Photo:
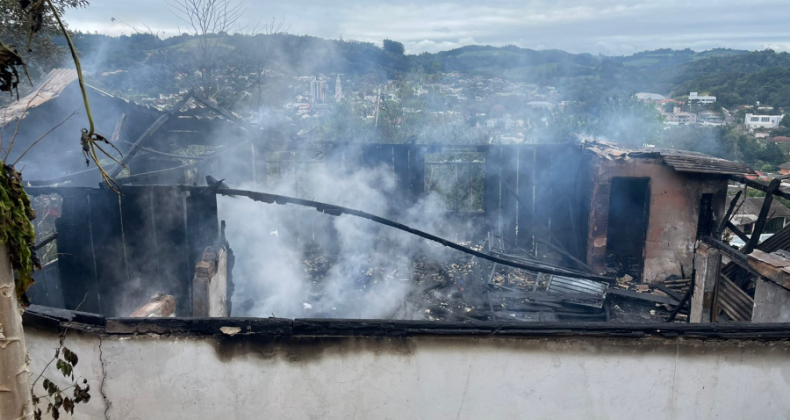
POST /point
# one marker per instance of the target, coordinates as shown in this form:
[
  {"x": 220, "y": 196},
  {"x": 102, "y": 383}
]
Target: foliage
[
  {"x": 56, "y": 397},
  {"x": 16, "y": 229},
  {"x": 394, "y": 47},
  {"x": 16, "y": 213},
  {"x": 742, "y": 79},
  {"x": 727, "y": 142},
  {"x": 41, "y": 53}
]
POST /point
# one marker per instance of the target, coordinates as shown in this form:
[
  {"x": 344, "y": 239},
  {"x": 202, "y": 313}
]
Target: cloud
[{"x": 593, "y": 26}]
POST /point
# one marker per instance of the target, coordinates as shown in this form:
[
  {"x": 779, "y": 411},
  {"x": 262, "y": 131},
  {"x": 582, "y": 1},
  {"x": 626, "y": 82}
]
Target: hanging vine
[{"x": 16, "y": 229}]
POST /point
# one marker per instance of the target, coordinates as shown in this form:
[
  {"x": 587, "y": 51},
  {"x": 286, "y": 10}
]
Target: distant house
[
  {"x": 749, "y": 209},
  {"x": 678, "y": 117},
  {"x": 649, "y": 97},
  {"x": 540, "y": 104},
  {"x": 780, "y": 139},
  {"x": 784, "y": 168},
  {"x": 753, "y": 121},
  {"x": 710, "y": 118},
  {"x": 695, "y": 97}
]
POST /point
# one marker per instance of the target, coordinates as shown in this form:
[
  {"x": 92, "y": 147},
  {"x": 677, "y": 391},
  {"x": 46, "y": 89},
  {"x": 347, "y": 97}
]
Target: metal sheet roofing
[
  {"x": 52, "y": 86},
  {"x": 680, "y": 160}
]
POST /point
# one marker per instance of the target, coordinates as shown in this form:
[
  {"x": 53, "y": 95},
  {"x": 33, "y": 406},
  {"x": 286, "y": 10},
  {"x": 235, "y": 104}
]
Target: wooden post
[
  {"x": 707, "y": 260},
  {"x": 15, "y": 398},
  {"x": 762, "y": 218}
]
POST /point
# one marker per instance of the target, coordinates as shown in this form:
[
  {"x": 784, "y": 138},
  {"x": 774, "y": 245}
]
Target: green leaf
[{"x": 68, "y": 406}]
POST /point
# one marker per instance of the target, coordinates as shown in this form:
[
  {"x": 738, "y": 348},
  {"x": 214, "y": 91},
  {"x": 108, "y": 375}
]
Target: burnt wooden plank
[
  {"x": 416, "y": 172},
  {"x": 400, "y": 161},
  {"x": 109, "y": 251},
  {"x": 762, "y": 218},
  {"x": 375, "y": 155},
  {"x": 543, "y": 194},
  {"x": 509, "y": 174},
  {"x": 139, "y": 215},
  {"x": 173, "y": 249},
  {"x": 491, "y": 192},
  {"x": 526, "y": 194},
  {"x": 566, "y": 163}
]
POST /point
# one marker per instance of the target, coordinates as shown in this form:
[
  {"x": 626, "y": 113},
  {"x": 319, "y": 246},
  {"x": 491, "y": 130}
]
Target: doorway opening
[{"x": 629, "y": 205}]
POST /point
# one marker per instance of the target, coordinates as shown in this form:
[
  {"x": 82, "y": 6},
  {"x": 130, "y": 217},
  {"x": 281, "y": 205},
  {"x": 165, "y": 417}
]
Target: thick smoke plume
[{"x": 370, "y": 272}]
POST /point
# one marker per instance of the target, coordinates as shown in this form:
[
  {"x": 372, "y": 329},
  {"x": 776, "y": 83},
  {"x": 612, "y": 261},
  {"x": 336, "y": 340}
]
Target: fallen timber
[{"x": 338, "y": 210}]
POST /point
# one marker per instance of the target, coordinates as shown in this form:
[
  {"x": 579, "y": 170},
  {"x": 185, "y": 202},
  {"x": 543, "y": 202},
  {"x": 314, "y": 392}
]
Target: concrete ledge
[
  {"x": 279, "y": 327},
  {"x": 200, "y": 326}
]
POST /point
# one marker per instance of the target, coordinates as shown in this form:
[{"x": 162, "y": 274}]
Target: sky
[{"x": 610, "y": 27}]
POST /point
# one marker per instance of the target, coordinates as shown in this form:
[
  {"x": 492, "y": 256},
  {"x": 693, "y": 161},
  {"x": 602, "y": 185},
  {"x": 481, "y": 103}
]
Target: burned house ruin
[{"x": 606, "y": 256}]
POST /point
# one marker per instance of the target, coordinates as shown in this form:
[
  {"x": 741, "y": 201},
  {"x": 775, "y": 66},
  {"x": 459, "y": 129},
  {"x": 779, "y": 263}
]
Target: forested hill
[{"x": 735, "y": 76}]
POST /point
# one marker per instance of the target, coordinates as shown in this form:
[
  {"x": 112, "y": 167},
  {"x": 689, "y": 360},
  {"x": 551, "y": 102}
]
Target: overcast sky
[{"x": 613, "y": 27}]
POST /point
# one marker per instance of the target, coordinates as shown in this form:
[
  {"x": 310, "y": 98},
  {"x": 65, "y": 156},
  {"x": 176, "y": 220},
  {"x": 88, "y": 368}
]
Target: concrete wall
[
  {"x": 425, "y": 377},
  {"x": 674, "y": 210},
  {"x": 771, "y": 302}
]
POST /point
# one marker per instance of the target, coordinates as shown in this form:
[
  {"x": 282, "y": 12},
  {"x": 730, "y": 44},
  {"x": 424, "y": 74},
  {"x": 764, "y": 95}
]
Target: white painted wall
[{"x": 167, "y": 377}]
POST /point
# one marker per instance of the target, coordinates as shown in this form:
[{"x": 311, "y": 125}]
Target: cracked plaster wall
[{"x": 175, "y": 377}]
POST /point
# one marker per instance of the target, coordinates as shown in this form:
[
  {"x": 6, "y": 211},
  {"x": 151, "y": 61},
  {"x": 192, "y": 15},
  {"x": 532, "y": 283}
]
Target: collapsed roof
[{"x": 680, "y": 160}]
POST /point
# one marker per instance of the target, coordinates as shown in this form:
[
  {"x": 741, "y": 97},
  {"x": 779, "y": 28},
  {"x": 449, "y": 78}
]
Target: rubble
[{"x": 160, "y": 305}]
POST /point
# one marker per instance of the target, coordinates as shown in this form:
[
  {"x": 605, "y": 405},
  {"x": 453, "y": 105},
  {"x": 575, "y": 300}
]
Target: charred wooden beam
[
  {"x": 150, "y": 131},
  {"x": 759, "y": 186},
  {"x": 762, "y": 218},
  {"x": 670, "y": 292},
  {"x": 739, "y": 233},
  {"x": 728, "y": 215},
  {"x": 683, "y": 302},
  {"x": 736, "y": 257},
  {"x": 225, "y": 113},
  {"x": 338, "y": 210},
  {"x": 46, "y": 240}
]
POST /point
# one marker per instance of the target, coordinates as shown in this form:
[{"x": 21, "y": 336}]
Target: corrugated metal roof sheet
[
  {"x": 52, "y": 86},
  {"x": 573, "y": 286},
  {"x": 680, "y": 160}
]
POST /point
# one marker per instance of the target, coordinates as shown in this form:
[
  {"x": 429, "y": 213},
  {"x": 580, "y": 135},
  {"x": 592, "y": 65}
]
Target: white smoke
[{"x": 370, "y": 272}]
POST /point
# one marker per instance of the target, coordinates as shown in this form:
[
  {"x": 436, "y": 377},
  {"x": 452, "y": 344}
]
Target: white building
[
  {"x": 694, "y": 97},
  {"x": 646, "y": 96},
  {"x": 317, "y": 90},
  {"x": 762, "y": 121},
  {"x": 540, "y": 104}
]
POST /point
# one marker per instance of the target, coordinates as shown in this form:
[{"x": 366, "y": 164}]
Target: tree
[
  {"x": 394, "y": 47},
  {"x": 205, "y": 60},
  {"x": 41, "y": 53}
]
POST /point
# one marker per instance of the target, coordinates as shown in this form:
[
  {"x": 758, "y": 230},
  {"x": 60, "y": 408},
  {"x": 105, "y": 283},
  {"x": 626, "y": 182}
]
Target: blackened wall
[{"x": 114, "y": 252}]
